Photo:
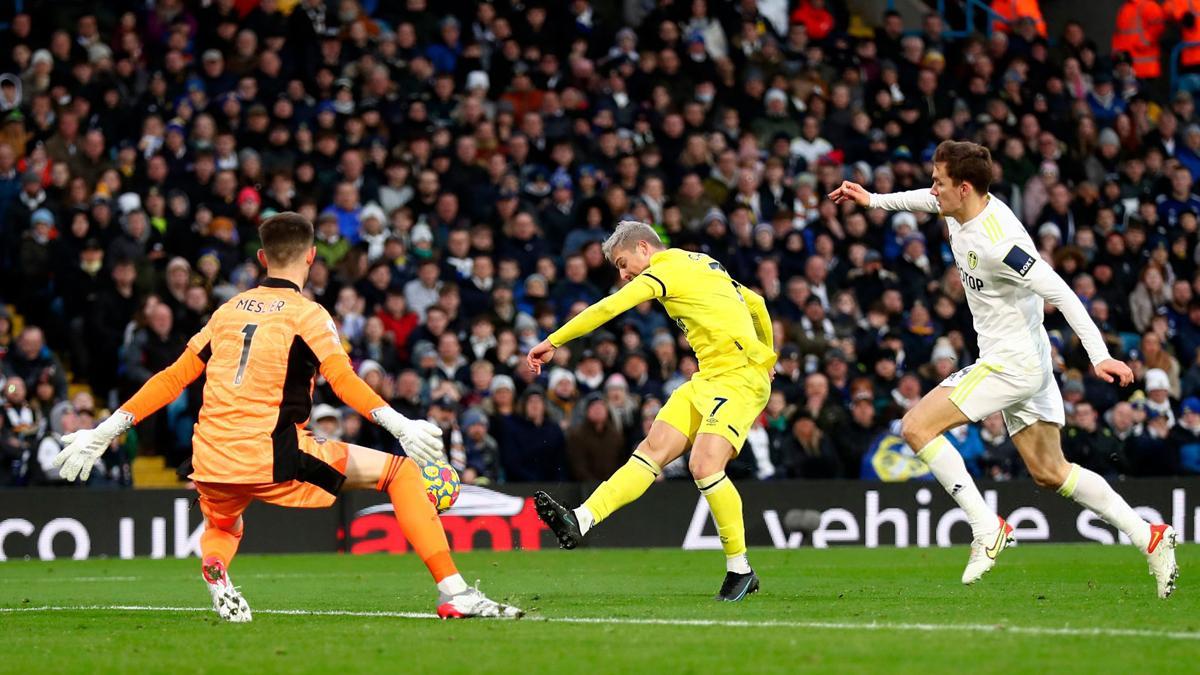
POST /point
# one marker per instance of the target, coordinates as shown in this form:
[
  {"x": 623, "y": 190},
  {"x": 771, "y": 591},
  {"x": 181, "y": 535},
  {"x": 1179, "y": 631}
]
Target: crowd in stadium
[{"x": 462, "y": 163}]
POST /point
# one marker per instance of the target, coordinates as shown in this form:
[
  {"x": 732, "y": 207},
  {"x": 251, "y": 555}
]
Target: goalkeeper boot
[
  {"x": 559, "y": 519},
  {"x": 1160, "y": 554},
  {"x": 473, "y": 603},
  {"x": 227, "y": 601},
  {"x": 985, "y": 550},
  {"x": 737, "y": 586}
]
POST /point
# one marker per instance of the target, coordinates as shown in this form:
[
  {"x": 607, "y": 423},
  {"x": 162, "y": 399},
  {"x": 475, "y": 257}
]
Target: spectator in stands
[
  {"x": 807, "y": 451},
  {"x": 462, "y": 168},
  {"x": 532, "y": 447},
  {"x": 595, "y": 447}
]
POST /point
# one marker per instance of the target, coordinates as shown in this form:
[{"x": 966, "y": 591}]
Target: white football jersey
[{"x": 1005, "y": 281}]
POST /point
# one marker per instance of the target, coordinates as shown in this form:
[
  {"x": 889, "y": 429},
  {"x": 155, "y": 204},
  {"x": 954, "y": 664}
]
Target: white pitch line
[
  {"x": 1065, "y": 631},
  {"x": 52, "y": 579},
  {"x": 103, "y": 579}
]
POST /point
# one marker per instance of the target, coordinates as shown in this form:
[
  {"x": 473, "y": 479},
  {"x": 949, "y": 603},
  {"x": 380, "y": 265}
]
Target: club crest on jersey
[{"x": 972, "y": 259}]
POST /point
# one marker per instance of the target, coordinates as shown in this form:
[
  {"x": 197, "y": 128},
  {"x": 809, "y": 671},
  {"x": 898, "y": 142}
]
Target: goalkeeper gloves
[
  {"x": 82, "y": 448},
  {"x": 421, "y": 440}
]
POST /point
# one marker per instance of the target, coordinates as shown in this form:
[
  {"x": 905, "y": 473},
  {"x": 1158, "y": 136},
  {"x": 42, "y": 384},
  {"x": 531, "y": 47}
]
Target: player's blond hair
[{"x": 627, "y": 235}]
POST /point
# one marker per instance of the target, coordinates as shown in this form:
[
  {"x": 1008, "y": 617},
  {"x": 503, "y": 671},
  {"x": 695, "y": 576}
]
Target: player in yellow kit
[{"x": 729, "y": 329}]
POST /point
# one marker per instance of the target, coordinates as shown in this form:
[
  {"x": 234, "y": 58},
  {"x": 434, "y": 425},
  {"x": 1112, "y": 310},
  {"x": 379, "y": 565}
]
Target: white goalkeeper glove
[
  {"x": 421, "y": 440},
  {"x": 82, "y": 448}
]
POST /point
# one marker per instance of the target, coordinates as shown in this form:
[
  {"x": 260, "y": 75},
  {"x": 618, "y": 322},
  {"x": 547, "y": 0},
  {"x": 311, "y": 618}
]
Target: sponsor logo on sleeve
[{"x": 1019, "y": 260}]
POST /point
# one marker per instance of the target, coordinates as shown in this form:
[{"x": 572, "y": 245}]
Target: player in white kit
[{"x": 1006, "y": 284}]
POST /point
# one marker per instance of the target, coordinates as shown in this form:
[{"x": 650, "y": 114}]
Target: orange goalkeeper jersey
[{"x": 261, "y": 351}]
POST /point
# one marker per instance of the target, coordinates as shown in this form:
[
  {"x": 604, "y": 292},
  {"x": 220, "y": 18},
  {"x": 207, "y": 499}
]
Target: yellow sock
[
  {"x": 625, "y": 485},
  {"x": 726, "y": 506}
]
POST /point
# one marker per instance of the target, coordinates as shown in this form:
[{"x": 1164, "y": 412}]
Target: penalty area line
[{"x": 1040, "y": 631}]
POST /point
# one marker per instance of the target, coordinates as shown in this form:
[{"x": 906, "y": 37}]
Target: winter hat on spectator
[
  {"x": 249, "y": 194},
  {"x": 421, "y": 232},
  {"x": 42, "y": 215},
  {"x": 422, "y": 350},
  {"x": 775, "y": 94},
  {"x": 370, "y": 211},
  {"x": 1109, "y": 137},
  {"x": 502, "y": 382},
  {"x": 42, "y": 56},
  {"x": 661, "y": 339},
  {"x": 324, "y": 411},
  {"x": 369, "y": 366},
  {"x": 1050, "y": 230},
  {"x": 129, "y": 202},
  {"x": 179, "y": 262},
  {"x": 525, "y": 322},
  {"x": 221, "y": 224},
  {"x": 616, "y": 381},
  {"x": 472, "y": 417},
  {"x": 1072, "y": 386},
  {"x": 445, "y": 403},
  {"x": 602, "y": 336},
  {"x": 561, "y": 180},
  {"x": 478, "y": 79},
  {"x": 1156, "y": 379},
  {"x": 558, "y": 375},
  {"x": 904, "y": 219},
  {"x": 245, "y": 155},
  {"x": 943, "y": 350},
  {"x": 60, "y": 410},
  {"x": 1191, "y": 404},
  {"x": 715, "y": 214},
  {"x": 31, "y": 177},
  {"x": 867, "y": 175}
]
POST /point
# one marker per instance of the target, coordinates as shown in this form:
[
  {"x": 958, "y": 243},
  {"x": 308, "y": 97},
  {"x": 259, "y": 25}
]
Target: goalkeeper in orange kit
[{"x": 261, "y": 352}]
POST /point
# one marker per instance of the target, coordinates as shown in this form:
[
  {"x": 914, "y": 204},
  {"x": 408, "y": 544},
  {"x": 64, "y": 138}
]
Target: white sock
[
  {"x": 585, "y": 518},
  {"x": 452, "y": 585},
  {"x": 1089, "y": 490},
  {"x": 738, "y": 564},
  {"x": 949, "y": 470}
]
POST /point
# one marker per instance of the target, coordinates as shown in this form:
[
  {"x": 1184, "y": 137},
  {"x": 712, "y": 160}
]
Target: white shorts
[{"x": 1024, "y": 396}]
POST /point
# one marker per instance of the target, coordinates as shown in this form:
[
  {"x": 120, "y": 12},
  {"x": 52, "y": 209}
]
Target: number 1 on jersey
[{"x": 248, "y": 331}]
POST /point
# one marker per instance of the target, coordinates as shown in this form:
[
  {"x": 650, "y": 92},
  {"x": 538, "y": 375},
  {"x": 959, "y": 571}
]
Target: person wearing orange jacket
[
  {"x": 1187, "y": 13},
  {"x": 1139, "y": 28},
  {"x": 1012, "y": 10}
]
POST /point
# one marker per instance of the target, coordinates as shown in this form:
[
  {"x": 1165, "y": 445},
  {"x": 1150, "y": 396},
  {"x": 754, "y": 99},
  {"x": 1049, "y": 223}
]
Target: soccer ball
[{"x": 441, "y": 485}]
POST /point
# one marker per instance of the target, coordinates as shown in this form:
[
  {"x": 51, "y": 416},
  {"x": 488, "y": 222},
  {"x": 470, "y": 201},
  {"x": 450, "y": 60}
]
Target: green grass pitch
[{"x": 1043, "y": 609}]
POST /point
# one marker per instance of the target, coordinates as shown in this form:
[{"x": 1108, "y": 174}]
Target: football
[{"x": 441, "y": 485}]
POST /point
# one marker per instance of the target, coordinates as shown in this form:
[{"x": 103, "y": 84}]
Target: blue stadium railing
[
  {"x": 969, "y": 7},
  {"x": 1175, "y": 54},
  {"x": 18, "y": 6}
]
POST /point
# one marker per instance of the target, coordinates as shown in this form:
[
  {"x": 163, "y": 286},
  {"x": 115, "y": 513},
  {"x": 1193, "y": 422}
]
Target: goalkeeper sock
[
  {"x": 417, "y": 517},
  {"x": 219, "y": 544},
  {"x": 1091, "y": 491},
  {"x": 625, "y": 485},
  {"x": 949, "y": 470},
  {"x": 726, "y": 506}
]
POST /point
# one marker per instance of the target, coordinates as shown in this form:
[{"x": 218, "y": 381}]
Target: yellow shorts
[{"x": 725, "y": 404}]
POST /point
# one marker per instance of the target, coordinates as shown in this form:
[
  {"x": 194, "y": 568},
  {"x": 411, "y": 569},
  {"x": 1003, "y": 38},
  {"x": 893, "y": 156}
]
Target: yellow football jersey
[{"x": 726, "y": 323}]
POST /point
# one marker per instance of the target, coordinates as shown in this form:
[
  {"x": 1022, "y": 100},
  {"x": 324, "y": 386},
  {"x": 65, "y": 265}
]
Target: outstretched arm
[
  {"x": 421, "y": 440},
  {"x": 645, "y": 286},
  {"x": 82, "y": 448},
  {"x": 762, "y": 319},
  {"x": 912, "y": 200},
  {"x": 1024, "y": 269}
]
